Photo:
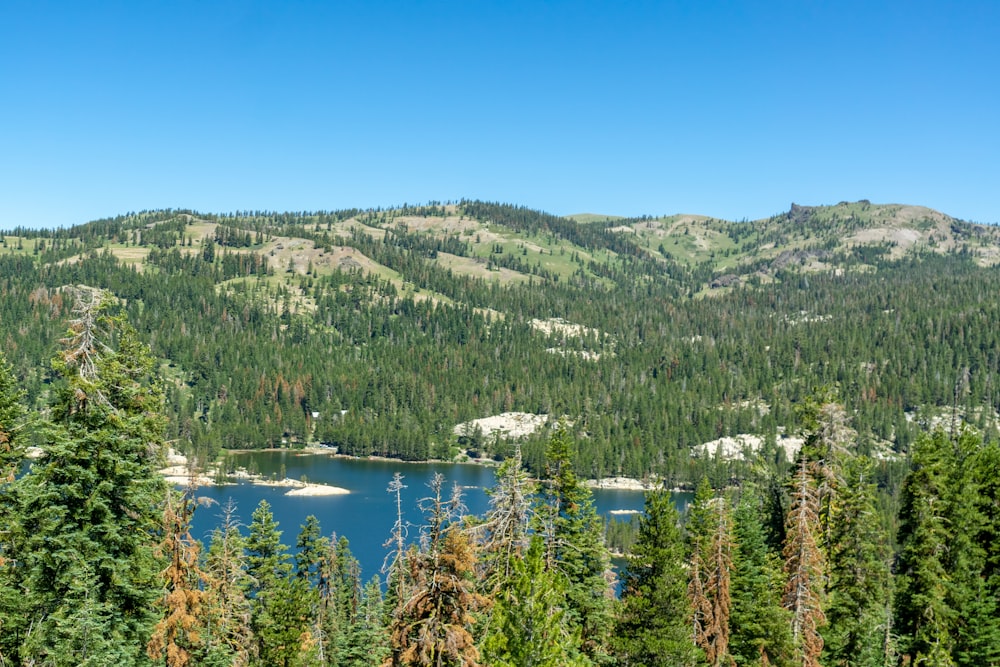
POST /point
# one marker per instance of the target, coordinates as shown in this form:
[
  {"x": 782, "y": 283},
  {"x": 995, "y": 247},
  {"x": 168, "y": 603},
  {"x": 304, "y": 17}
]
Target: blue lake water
[{"x": 366, "y": 515}]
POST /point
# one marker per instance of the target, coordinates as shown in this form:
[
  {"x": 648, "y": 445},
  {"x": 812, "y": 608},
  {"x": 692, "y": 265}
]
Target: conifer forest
[{"x": 825, "y": 382}]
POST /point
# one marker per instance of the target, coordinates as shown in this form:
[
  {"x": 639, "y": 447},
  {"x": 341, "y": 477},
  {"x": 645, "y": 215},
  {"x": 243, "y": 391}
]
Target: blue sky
[{"x": 732, "y": 109}]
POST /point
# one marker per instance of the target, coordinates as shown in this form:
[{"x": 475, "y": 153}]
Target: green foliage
[
  {"x": 653, "y": 626},
  {"x": 88, "y": 510},
  {"x": 281, "y": 604},
  {"x": 12, "y": 415},
  {"x": 574, "y": 545},
  {"x": 385, "y": 353},
  {"x": 858, "y": 611},
  {"x": 923, "y": 615},
  {"x": 529, "y": 626},
  {"x": 760, "y": 625},
  {"x": 945, "y": 605}
]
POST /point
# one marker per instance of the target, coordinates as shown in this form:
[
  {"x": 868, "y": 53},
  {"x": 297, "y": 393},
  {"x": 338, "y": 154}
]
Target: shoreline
[
  {"x": 177, "y": 473},
  {"x": 617, "y": 483}
]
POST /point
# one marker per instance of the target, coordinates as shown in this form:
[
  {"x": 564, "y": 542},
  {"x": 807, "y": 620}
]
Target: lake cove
[{"x": 365, "y": 515}]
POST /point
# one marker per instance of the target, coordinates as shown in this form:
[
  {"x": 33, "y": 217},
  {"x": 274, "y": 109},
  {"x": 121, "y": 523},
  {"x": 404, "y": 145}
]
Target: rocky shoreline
[{"x": 178, "y": 473}]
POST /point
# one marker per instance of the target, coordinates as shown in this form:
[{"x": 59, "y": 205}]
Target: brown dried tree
[
  {"x": 179, "y": 635},
  {"x": 804, "y": 567},
  {"x": 433, "y": 625},
  {"x": 709, "y": 586}
]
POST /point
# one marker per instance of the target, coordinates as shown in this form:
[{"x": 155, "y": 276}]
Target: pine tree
[
  {"x": 711, "y": 544},
  {"x": 230, "y": 636},
  {"x": 859, "y": 589},
  {"x": 342, "y": 603},
  {"x": 367, "y": 642},
  {"x": 506, "y": 525},
  {"x": 180, "y": 635},
  {"x": 574, "y": 545},
  {"x": 394, "y": 565},
  {"x": 12, "y": 423},
  {"x": 653, "y": 626},
  {"x": 717, "y": 560},
  {"x": 977, "y": 630},
  {"x": 529, "y": 627},
  {"x": 280, "y": 616},
  {"x": 310, "y": 579},
  {"x": 90, "y": 506},
  {"x": 828, "y": 435},
  {"x": 761, "y": 628},
  {"x": 925, "y": 619},
  {"x": 433, "y": 625},
  {"x": 804, "y": 567},
  {"x": 311, "y": 549},
  {"x": 981, "y": 633}
]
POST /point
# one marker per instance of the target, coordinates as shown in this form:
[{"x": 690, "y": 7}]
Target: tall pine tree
[
  {"x": 761, "y": 628},
  {"x": 654, "y": 623},
  {"x": 924, "y": 617},
  {"x": 90, "y": 506},
  {"x": 574, "y": 545},
  {"x": 804, "y": 567},
  {"x": 859, "y": 631},
  {"x": 12, "y": 422}
]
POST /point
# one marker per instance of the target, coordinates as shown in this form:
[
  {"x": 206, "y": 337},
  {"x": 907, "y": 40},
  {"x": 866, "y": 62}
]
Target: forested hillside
[{"x": 380, "y": 331}]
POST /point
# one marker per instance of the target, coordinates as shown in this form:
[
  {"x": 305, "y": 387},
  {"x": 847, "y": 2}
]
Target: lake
[{"x": 366, "y": 515}]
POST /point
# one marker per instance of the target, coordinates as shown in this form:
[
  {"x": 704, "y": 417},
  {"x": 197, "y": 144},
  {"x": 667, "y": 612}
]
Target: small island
[{"x": 179, "y": 474}]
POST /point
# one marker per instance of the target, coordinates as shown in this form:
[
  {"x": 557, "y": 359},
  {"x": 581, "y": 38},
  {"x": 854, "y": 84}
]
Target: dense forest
[
  {"x": 810, "y": 565},
  {"x": 381, "y": 331}
]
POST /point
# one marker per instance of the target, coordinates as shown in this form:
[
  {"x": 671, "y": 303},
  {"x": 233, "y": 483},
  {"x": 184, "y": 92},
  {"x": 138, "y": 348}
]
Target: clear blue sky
[{"x": 731, "y": 109}]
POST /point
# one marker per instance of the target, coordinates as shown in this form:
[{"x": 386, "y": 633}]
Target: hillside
[{"x": 384, "y": 331}]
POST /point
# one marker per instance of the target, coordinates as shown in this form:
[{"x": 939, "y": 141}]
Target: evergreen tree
[
  {"x": 506, "y": 525},
  {"x": 529, "y": 627},
  {"x": 977, "y": 630},
  {"x": 311, "y": 580},
  {"x": 711, "y": 544},
  {"x": 574, "y": 545},
  {"x": 180, "y": 636},
  {"x": 12, "y": 422},
  {"x": 433, "y": 626},
  {"x": 761, "y": 628},
  {"x": 367, "y": 642},
  {"x": 394, "y": 566},
  {"x": 654, "y": 623},
  {"x": 280, "y": 617},
  {"x": 90, "y": 506},
  {"x": 230, "y": 637},
  {"x": 342, "y": 603},
  {"x": 924, "y": 617},
  {"x": 980, "y": 632},
  {"x": 858, "y": 610},
  {"x": 312, "y": 548},
  {"x": 828, "y": 435},
  {"x": 804, "y": 567}
]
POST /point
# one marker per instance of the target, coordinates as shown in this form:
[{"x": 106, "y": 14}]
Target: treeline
[{"x": 806, "y": 567}]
